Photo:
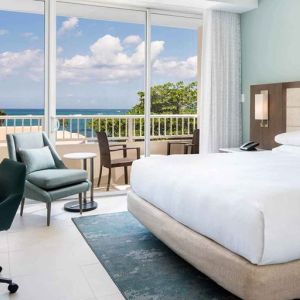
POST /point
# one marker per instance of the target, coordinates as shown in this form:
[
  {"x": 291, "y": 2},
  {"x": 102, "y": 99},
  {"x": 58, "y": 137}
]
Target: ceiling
[
  {"x": 192, "y": 6},
  {"x": 186, "y": 6}
]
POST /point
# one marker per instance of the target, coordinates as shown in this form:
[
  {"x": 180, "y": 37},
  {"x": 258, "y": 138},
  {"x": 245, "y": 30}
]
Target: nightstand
[{"x": 234, "y": 150}]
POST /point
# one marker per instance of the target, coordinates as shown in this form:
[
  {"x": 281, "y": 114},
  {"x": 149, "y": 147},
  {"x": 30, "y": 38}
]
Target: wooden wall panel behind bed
[{"x": 284, "y": 112}]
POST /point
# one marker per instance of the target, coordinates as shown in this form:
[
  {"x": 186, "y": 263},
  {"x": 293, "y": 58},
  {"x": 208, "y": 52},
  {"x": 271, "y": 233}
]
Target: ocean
[
  {"x": 73, "y": 125},
  {"x": 39, "y": 112}
]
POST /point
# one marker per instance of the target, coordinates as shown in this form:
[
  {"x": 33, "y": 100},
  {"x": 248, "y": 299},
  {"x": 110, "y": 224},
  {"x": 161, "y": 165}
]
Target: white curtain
[{"x": 220, "y": 102}]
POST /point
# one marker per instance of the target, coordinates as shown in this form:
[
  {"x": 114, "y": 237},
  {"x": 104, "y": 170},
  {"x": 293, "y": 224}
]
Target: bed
[{"x": 235, "y": 217}]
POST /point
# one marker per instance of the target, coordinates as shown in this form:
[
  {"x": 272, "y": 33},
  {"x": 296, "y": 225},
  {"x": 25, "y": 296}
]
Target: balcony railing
[{"x": 117, "y": 127}]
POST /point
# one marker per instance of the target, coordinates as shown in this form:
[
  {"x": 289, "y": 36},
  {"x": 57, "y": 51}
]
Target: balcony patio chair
[
  {"x": 47, "y": 179},
  {"x": 193, "y": 147},
  {"x": 12, "y": 181},
  {"x": 107, "y": 162}
]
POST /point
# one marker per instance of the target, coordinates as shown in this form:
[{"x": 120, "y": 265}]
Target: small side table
[{"x": 73, "y": 206}]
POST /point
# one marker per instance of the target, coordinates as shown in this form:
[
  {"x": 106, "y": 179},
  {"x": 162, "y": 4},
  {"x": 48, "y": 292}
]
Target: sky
[{"x": 100, "y": 64}]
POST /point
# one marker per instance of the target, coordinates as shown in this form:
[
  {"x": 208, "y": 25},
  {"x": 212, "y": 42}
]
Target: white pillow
[
  {"x": 288, "y": 138},
  {"x": 287, "y": 149}
]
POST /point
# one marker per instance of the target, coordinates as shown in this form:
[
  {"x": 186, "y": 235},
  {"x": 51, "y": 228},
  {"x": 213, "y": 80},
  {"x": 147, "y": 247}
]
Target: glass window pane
[
  {"x": 175, "y": 50},
  {"x": 21, "y": 71},
  {"x": 100, "y": 79}
]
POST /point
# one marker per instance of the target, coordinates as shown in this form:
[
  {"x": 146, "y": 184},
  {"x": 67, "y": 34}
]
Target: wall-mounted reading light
[{"x": 262, "y": 108}]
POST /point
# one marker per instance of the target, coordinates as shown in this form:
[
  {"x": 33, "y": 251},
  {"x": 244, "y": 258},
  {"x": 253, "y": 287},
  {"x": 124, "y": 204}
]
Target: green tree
[
  {"x": 169, "y": 98},
  {"x": 2, "y": 113},
  {"x": 166, "y": 99}
]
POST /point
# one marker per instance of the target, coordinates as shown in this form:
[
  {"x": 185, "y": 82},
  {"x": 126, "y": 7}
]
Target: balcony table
[{"x": 73, "y": 206}]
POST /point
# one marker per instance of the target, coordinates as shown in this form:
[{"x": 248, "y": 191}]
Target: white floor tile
[
  {"x": 67, "y": 284},
  {"x": 117, "y": 296},
  {"x": 55, "y": 262},
  {"x": 4, "y": 263},
  {"x": 99, "y": 280},
  {"x": 3, "y": 241}
]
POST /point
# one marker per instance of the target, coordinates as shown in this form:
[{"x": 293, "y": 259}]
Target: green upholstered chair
[
  {"x": 46, "y": 185},
  {"x": 12, "y": 181}
]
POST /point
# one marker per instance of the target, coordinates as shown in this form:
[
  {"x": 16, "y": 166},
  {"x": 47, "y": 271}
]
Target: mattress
[{"x": 247, "y": 202}]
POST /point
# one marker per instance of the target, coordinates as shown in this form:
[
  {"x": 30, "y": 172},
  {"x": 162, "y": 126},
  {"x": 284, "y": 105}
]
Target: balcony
[{"x": 77, "y": 133}]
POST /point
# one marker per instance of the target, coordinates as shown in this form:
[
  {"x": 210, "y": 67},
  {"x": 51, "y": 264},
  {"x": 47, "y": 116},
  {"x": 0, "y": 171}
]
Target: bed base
[{"x": 232, "y": 272}]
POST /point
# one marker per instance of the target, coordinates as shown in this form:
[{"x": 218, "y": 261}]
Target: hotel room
[{"x": 208, "y": 149}]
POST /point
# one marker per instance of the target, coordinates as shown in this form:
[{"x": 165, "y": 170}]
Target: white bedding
[{"x": 247, "y": 202}]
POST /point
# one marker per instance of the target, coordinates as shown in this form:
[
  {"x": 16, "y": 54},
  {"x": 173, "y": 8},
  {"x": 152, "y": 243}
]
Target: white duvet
[{"x": 247, "y": 202}]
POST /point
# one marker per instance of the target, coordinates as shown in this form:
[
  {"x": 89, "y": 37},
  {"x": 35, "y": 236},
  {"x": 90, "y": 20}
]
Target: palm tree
[{"x": 2, "y": 113}]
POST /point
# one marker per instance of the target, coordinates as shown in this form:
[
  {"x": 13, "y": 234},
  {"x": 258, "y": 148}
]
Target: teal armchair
[
  {"x": 12, "y": 181},
  {"x": 46, "y": 185}
]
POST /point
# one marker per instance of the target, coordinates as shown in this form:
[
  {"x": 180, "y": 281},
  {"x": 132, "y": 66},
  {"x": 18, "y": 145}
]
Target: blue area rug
[{"x": 141, "y": 266}]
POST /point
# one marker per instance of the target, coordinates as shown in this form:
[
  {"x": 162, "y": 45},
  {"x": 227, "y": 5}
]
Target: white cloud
[
  {"x": 30, "y": 35},
  {"x": 59, "y": 50},
  {"x": 3, "y": 32},
  {"x": 107, "y": 61},
  {"x": 27, "y": 34},
  {"x": 180, "y": 69},
  {"x": 132, "y": 39},
  {"x": 26, "y": 63},
  {"x": 68, "y": 25}
]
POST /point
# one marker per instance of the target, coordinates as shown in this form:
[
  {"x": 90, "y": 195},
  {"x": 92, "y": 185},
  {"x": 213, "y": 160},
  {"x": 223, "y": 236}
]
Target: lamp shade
[{"x": 261, "y": 107}]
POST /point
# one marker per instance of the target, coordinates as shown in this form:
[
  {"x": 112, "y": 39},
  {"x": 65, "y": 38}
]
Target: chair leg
[
  {"x": 12, "y": 287},
  {"x": 80, "y": 203},
  {"x": 5, "y": 280},
  {"x": 126, "y": 175},
  {"x": 109, "y": 178},
  {"x": 22, "y": 207},
  {"x": 169, "y": 149},
  {"x": 100, "y": 174},
  {"x": 186, "y": 149},
  {"x": 48, "y": 213}
]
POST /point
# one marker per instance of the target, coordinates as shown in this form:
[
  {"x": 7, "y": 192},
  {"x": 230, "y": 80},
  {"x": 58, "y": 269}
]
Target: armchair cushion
[
  {"x": 28, "y": 140},
  {"x": 37, "y": 159},
  {"x": 56, "y": 178}
]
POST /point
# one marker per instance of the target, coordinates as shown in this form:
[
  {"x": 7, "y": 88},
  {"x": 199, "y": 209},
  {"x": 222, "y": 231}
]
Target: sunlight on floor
[{"x": 55, "y": 262}]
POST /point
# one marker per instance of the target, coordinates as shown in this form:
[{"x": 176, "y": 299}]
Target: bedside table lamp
[{"x": 262, "y": 108}]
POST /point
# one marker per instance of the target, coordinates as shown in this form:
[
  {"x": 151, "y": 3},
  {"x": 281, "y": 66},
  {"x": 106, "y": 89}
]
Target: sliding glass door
[
  {"x": 76, "y": 69},
  {"x": 174, "y": 84},
  {"x": 100, "y": 82}
]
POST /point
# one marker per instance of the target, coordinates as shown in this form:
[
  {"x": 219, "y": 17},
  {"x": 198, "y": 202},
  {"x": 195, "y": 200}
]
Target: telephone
[{"x": 249, "y": 146}]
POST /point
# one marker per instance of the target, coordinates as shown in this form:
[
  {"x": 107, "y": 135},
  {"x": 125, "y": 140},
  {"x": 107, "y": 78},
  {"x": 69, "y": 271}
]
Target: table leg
[
  {"x": 74, "y": 206},
  {"x": 92, "y": 178},
  {"x": 85, "y": 168}
]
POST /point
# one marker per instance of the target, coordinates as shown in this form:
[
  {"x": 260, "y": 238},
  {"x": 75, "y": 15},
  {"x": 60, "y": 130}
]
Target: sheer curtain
[{"x": 220, "y": 103}]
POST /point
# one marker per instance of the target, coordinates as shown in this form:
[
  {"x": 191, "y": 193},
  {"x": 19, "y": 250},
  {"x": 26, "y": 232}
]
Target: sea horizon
[{"x": 66, "y": 111}]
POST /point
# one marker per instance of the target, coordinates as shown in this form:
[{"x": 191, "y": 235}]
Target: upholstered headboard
[
  {"x": 292, "y": 109},
  {"x": 284, "y": 112}
]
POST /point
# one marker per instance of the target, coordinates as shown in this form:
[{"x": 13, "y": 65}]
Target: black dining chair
[
  {"x": 12, "y": 182},
  {"x": 107, "y": 162},
  {"x": 192, "y": 147}
]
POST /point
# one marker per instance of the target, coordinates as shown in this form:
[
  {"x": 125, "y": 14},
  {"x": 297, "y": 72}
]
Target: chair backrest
[
  {"x": 30, "y": 140},
  {"x": 196, "y": 139},
  {"x": 12, "y": 181},
  {"x": 104, "y": 149}
]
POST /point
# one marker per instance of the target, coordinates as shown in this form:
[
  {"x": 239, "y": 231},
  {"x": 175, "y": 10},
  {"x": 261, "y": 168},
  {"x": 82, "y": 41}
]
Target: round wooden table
[{"x": 73, "y": 206}]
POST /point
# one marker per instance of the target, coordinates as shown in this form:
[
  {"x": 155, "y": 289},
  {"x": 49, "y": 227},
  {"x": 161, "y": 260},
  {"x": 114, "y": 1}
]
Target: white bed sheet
[{"x": 247, "y": 202}]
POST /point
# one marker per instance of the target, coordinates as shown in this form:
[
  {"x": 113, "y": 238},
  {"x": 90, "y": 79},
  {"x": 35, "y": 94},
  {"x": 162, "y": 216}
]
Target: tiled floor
[{"x": 55, "y": 263}]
